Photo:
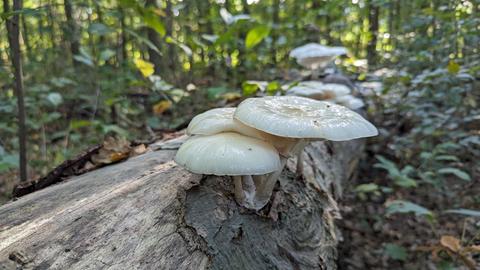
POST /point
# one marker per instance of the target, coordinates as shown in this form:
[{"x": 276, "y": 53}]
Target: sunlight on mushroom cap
[
  {"x": 220, "y": 120},
  {"x": 299, "y": 117},
  {"x": 228, "y": 154}
]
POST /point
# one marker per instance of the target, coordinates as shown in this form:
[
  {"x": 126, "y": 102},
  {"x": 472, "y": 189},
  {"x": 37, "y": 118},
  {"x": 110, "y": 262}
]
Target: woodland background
[{"x": 135, "y": 69}]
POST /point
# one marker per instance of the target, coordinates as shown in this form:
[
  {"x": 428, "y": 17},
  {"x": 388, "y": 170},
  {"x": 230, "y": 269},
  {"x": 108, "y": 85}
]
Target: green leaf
[
  {"x": 466, "y": 212},
  {"x": 399, "y": 206},
  {"x": 55, "y": 99},
  {"x": 114, "y": 129},
  {"x": 99, "y": 29},
  {"x": 83, "y": 59},
  {"x": 458, "y": 173},
  {"x": 145, "y": 67},
  {"x": 249, "y": 88},
  {"x": 76, "y": 124},
  {"x": 273, "y": 87},
  {"x": 256, "y": 35},
  {"x": 453, "y": 67},
  {"x": 365, "y": 188},
  {"x": 8, "y": 162},
  {"x": 396, "y": 252},
  {"x": 144, "y": 40},
  {"x": 447, "y": 158},
  {"x": 153, "y": 21},
  {"x": 215, "y": 92},
  {"x": 107, "y": 54}
]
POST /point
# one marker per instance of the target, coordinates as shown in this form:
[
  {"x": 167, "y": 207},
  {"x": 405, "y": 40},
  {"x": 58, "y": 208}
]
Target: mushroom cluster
[
  {"x": 314, "y": 56},
  {"x": 330, "y": 92},
  {"x": 252, "y": 142}
]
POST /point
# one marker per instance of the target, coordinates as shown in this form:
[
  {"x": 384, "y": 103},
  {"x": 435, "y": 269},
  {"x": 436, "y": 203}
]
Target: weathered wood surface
[{"x": 149, "y": 213}]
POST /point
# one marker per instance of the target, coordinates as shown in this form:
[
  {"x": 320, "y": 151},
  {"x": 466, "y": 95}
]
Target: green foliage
[
  {"x": 256, "y": 35},
  {"x": 399, "y": 177},
  {"x": 400, "y": 206},
  {"x": 395, "y": 252}
]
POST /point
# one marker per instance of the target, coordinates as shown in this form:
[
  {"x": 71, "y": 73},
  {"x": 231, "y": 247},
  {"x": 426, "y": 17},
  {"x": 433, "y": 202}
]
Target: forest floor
[{"x": 373, "y": 239}]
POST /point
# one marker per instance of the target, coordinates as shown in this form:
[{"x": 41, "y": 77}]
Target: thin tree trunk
[
  {"x": 72, "y": 32},
  {"x": 275, "y": 21},
  {"x": 99, "y": 11},
  {"x": 13, "y": 29},
  {"x": 373, "y": 14},
  {"x": 51, "y": 23},
  {"x": 123, "y": 36},
  {"x": 172, "y": 52},
  {"x": 154, "y": 37},
  {"x": 26, "y": 38}
]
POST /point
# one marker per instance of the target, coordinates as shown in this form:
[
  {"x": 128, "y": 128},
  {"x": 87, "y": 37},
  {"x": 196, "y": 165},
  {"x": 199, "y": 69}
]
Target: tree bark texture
[{"x": 149, "y": 213}]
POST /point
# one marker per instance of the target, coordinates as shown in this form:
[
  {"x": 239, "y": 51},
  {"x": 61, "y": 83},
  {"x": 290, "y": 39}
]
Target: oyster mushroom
[
  {"x": 234, "y": 155},
  {"x": 314, "y": 56},
  {"x": 302, "y": 120},
  {"x": 221, "y": 120},
  {"x": 318, "y": 90}
]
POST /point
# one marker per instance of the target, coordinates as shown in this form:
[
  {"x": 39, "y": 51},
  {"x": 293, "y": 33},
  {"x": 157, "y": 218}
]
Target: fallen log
[{"x": 149, "y": 213}]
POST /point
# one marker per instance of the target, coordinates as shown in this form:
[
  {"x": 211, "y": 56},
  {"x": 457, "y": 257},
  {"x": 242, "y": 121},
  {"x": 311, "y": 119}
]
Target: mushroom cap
[
  {"x": 314, "y": 55},
  {"x": 316, "y": 50},
  {"x": 299, "y": 117},
  {"x": 228, "y": 154},
  {"x": 305, "y": 91},
  {"x": 350, "y": 101},
  {"x": 334, "y": 90},
  {"x": 219, "y": 120},
  {"x": 318, "y": 90}
]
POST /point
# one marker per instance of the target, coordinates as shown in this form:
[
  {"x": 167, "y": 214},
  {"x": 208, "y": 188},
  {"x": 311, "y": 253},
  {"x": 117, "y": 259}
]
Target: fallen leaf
[
  {"x": 113, "y": 150},
  {"x": 451, "y": 243},
  {"x": 161, "y": 107},
  {"x": 138, "y": 150},
  {"x": 231, "y": 96}
]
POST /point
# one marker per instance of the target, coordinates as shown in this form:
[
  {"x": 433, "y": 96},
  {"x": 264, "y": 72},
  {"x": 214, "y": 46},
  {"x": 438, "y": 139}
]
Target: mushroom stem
[
  {"x": 265, "y": 185},
  {"x": 299, "y": 171},
  {"x": 254, "y": 192},
  {"x": 315, "y": 73},
  {"x": 238, "y": 189}
]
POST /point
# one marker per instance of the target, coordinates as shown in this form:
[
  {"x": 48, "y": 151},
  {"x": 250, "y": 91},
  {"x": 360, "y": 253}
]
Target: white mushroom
[
  {"x": 318, "y": 90},
  {"x": 314, "y": 56},
  {"x": 231, "y": 154},
  {"x": 221, "y": 120},
  {"x": 349, "y": 101},
  {"x": 302, "y": 119}
]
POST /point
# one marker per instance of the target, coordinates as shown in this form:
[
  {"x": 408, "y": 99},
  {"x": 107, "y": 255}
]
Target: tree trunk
[
  {"x": 26, "y": 39},
  {"x": 13, "y": 29},
  {"x": 149, "y": 213},
  {"x": 373, "y": 14},
  {"x": 72, "y": 32},
  {"x": 123, "y": 36}
]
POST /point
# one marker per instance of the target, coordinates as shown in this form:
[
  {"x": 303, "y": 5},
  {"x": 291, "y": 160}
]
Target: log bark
[{"x": 149, "y": 213}]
